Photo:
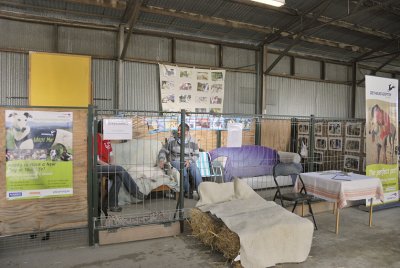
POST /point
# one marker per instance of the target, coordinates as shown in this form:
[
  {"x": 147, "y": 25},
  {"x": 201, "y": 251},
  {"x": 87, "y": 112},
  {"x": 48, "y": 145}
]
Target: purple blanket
[{"x": 246, "y": 161}]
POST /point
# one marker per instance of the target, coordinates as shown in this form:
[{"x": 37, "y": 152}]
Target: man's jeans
[{"x": 194, "y": 172}]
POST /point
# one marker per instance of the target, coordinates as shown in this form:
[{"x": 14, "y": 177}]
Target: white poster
[
  {"x": 235, "y": 133},
  {"x": 381, "y": 133},
  {"x": 117, "y": 129},
  {"x": 195, "y": 90}
]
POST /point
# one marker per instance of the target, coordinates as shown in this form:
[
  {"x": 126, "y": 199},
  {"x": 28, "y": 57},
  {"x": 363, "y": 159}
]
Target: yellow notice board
[{"x": 59, "y": 80}]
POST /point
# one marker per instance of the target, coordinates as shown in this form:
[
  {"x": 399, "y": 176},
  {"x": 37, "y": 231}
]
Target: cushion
[
  {"x": 242, "y": 189},
  {"x": 288, "y": 157},
  {"x": 212, "y": 193}
]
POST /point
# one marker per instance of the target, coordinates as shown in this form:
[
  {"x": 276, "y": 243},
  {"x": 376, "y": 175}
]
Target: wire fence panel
[{"x": 227, "y": 146}]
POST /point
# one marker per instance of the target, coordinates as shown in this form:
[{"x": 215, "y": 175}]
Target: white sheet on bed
[
  {"x": 269, "y": 234},
  {"x": 148, "y": 178},
  {"x": 139, "y": 158}
]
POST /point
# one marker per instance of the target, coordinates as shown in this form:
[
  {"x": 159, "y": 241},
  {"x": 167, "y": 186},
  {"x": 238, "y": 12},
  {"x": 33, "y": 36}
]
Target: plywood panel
[
  {"x": 276, "y": 134},
  {"x": 26, "y": 216}
]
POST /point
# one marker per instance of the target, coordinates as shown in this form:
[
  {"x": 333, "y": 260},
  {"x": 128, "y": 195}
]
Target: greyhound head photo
[
  {"x": 39, "y": 131},
  {"x": 383, "y": 133},
  {"x": 20, "y": 130}
]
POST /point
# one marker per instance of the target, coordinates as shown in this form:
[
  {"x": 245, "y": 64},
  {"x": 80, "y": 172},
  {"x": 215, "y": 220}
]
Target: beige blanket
[{"x": 269, "y": 234}]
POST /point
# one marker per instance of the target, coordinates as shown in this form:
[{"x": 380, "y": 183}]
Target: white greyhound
[{"x": 24, "y": 138}]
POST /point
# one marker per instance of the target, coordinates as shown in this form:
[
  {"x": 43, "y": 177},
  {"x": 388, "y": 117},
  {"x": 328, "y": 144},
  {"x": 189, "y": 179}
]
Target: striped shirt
[{"x": 172, "y": 150}]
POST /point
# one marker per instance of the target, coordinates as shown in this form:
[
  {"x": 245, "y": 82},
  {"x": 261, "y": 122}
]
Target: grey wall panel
[
  {"x": 360, "y": 102},
  {"x": 332, "y": 100},
  {"x": 337, "y": 72},
  {"x": 286, "y": 96},
  {"x": 238, "y": 58},
  {"x": 87, "y": 41},
  {"x": 382, "y": 74},
  {"x": 140, "y": 87},
  {"x": 307, "y": 68},
  {"x": 149, "y": 48},
  {"x": 239, "y": 95},
  {"x": 103, "y": 81},
  {"x": 282, "y": 67},
  {"x": 13, "y": 78},
  {"x": 26, "y": 36},
  {"x": 196, "y": 53},
  {"x": 361, "y": 73}
]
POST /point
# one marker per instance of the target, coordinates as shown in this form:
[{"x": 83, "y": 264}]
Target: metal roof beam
[
  {"x": 379, "y": 48},
  {"x": 117, "y": 4},
  {"x": 297, "y": 38},
  {"x": 381, "y": 66},
  {"x": 248, "y": 26},
  {"x": 334, "y": 22},
  {"x": 132, "y": 20},
  {"x": 277, "y": 35}
]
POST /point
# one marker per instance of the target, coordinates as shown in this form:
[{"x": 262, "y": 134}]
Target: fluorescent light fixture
[{"x": 275, "y": 3}]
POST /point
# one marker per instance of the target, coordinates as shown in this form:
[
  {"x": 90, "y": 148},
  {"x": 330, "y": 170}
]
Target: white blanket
[{"x": 269, "y": 234}]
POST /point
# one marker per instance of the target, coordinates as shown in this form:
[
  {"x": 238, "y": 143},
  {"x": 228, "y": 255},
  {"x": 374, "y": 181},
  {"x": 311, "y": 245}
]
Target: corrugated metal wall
[
  {"x": 286, "y": 96},
  {"x": 104, "y": 81},
  {"x": 140, "y": 81},
  {"x": 307, "y": 68},
  {"x": 13, "y": 78},
  {"x": 140, "y": 87},
  {"x": 196, "y": 53},
  {"x": 239, "y": 96},
  {"x": 237, "y": 58},
  {"x": 149, "y": 48},
  {"x": 360, "y": 102},
  {"x": 336, "y": 72},
  {"x": 26, "y": 36},
  {"x": 282, "y": 67},
  {"x": 86, "y": 41}
]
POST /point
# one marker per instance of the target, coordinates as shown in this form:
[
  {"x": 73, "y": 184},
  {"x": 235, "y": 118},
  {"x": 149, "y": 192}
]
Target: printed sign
[
  {"x": 39, "y": 154},
  {"x": 381, "y": 133}
]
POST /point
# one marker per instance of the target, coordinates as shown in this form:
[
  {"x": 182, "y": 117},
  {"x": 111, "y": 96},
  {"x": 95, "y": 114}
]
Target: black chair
[{"x": 293, "y": 170}]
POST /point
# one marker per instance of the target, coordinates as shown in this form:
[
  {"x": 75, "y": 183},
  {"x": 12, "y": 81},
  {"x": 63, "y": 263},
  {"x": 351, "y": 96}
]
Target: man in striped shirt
[{"x": 172, "y": 153}]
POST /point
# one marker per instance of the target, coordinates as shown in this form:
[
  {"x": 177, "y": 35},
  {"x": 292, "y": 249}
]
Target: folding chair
[
  {"x": 207, "y": 170},
  {"x": 293, "y": 170}
]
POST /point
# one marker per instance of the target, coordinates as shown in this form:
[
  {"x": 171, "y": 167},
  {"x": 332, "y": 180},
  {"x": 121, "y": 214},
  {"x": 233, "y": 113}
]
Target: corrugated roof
[{"x": 341, "y": 30}]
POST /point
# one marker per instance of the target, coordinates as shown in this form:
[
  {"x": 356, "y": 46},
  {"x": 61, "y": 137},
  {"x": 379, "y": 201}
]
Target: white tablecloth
[{"x": 337, "y": 186}]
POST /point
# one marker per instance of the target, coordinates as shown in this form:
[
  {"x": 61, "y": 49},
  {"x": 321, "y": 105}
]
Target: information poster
[
  {"x": 195, "y": 90},
  {"x": 38, "y": 154},
  {"x": 117, "y": 129},
  {"x": 381, "y": 133}
]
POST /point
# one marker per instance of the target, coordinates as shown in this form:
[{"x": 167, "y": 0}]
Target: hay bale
[
  {"x": 227, "y": 242},
  {"x": 204, "y": 226}
]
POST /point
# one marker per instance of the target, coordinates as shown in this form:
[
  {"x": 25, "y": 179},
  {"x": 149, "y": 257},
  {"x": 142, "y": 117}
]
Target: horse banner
[{"x": 381, "y": 133}]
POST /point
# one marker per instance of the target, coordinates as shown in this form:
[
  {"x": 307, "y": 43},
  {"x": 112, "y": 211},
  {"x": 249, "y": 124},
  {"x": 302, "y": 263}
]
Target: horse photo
[{"x": 383, "y": 134}]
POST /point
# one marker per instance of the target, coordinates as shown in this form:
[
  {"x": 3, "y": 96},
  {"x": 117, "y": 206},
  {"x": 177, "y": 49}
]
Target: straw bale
[
  {"x": 204, "y": 226},
  {"x": 227, "y": 242}
]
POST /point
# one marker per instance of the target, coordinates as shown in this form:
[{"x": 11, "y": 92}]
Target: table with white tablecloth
[{"x": 339, "y": 187}]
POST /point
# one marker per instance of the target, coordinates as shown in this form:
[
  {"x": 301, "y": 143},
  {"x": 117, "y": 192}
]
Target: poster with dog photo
[
  {"x": 381, "y": 133},
  {"x": 191, "y": 89},
  {"x": 39, "y": 154}
]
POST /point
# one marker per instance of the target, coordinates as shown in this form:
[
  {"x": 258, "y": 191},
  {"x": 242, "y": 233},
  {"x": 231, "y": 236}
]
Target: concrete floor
[{"x": 357, "y": 245}]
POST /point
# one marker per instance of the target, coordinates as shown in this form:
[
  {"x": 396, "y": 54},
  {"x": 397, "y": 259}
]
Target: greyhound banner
[
  {"x": 195, "y": 90},
  {"x": 381, "y": 133},
  {"x": 38, "y": 154}
]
